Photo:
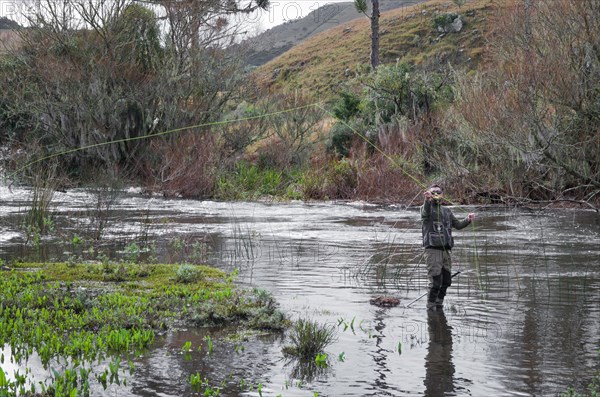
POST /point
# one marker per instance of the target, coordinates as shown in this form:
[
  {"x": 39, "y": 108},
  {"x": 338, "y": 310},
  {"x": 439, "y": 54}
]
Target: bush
[
  {"x": 443, "y": 20},
  {"x": 340, "y": 140},
  {"x": 346, "y": 106}
]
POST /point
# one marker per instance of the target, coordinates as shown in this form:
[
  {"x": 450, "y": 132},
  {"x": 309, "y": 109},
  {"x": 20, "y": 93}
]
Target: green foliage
[
  {"x": 38, "y": 220},
  {"x": 309, "y": 338},
  {"x": 341, "y": 135},
  {"x": 47, "y": 312},
  {"x": 209, "y": 344},
  {"x": 336, "y": 180},
  {"x": 132, "y": 253},
  {"x": 443, "y": 20},
  {"x": 139, "y": 37},
  {"x": 187, "y": 347},
  {"x": 124, "y": 80},
  {"x": 188, "y": 274},
  {"x": 361, "y": 6},
  {"x": 203, "y": 385},
  {"x": 250, "y": 182},
  {"x": 321, "y": 360},
  {"x": 398, "y": 91},
  {"x": 346, "y": 105},
  {"x": 257, "y": 309}
]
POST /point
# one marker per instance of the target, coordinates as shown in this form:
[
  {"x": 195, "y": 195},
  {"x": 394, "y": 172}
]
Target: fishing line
[
  {"x": 224, "y": 122},
  {"x": 417, "y": 181},
  {"x": 374, "y": 146},
  {"x": 168, "y": 132}
]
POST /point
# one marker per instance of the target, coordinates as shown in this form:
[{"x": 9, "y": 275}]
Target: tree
[
  {"x": 91, "y": 72},
  {"x": 539, "y": 108},
  {"x": 361, "y": 6}
]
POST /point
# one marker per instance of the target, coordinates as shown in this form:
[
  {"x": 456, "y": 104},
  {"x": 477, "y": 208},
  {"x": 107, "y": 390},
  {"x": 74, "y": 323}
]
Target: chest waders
[{"x": 438, "y": 242}]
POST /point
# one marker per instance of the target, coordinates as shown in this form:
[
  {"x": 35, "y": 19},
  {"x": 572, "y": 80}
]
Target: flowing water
[{"x": 523, "y": 317}]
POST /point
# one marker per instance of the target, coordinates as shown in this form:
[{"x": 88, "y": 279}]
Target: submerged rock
[{"x": 385, "y": 301}]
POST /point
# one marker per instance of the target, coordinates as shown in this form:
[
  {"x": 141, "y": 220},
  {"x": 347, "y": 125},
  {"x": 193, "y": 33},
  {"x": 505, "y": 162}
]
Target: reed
[
  {"x": 309, "y": 338},
  {"x": 38, "y": 220}
]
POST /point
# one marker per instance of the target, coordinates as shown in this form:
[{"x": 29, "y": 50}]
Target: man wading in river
[{"x": 438, "y": 222}]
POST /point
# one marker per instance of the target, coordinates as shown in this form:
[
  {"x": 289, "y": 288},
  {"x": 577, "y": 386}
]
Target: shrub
[
  {"x": 340, "y": 139},
  {"x": 346, "y": 106},
  {"x": 443, "y": 20}
]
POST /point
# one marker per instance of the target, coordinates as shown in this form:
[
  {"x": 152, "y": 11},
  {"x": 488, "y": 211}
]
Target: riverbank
[{"x": 82, "y": 313}]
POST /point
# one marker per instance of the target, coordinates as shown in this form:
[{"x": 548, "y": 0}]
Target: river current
[{"x": 521, "y": 319}]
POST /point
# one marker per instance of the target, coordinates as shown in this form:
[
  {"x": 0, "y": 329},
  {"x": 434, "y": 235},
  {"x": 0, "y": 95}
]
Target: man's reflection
[
  {"x": 380, "y": 356},
  {"x": 439, "y": 370}
]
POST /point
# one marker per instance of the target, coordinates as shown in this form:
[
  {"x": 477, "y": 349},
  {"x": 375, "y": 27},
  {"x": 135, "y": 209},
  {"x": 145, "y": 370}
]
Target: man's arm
[
  {"x": 426, "y": 207},
  {"x": 462, "y": 223}
]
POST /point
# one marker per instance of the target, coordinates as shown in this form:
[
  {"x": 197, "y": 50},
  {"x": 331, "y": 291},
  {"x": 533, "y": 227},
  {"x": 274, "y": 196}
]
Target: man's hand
[
  {"x": 427, "y": 195},
  {"x": 470, "y": 217}
]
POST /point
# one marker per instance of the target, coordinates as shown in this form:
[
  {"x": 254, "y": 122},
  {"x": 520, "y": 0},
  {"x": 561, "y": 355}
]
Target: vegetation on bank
[
  {"x": 73, "y": 315},
  {"x": 495, "y": 101}
]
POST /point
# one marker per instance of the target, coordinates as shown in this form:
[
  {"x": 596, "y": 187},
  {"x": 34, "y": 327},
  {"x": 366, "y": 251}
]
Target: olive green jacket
[{"x": 438, "y": 222}]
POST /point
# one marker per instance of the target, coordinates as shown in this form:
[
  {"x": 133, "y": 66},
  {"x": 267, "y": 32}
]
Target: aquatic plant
[
  {"x": 309, "y": 338},
  {"x": 187, "y": 347},
  {"x": 593, "y": 389},
  {"x": 209, "y": 343},
  {"x": 203, "y": 385},
  {"x": 321, "y": 360},
  {"x": 56, "y": 313},
  {"x": 38, "y": 220},
  {"x": 132, "y": 252},
  {"x": 188, "y": 273}
]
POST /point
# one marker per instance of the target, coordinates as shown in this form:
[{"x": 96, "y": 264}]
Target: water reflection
[
  {"x": 307, "y": 370},
  {"x": 381, "y": 354},
  {"x": 439, "y": 368}
]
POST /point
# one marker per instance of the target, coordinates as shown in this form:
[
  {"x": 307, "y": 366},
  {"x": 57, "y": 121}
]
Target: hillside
[
  {"x": 274, "y": 42},
  {"x": 9, "y": 38},
  {"x": 410, "y": 34},
  {"x": 6, "y": 23}
]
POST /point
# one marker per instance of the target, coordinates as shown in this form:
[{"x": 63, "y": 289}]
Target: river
[{"x": 523, "y": 317}]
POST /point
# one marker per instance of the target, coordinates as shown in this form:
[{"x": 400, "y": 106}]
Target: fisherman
[{"x": 438, "y": 222}]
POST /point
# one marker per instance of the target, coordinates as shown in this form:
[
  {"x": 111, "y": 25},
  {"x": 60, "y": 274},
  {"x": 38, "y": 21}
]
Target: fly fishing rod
[{"x": 455, "y": 274}]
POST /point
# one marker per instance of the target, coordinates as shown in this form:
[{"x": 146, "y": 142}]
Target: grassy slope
[{"x": 323, "y": 62}]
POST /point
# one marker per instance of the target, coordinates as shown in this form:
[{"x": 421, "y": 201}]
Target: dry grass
[
  {"x": 325, "y": 61},
  {"x": 9, "y": 40}
]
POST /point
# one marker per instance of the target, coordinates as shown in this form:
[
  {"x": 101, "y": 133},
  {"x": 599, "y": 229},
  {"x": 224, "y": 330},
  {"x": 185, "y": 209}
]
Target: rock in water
[{"x": 385, "y": 301}]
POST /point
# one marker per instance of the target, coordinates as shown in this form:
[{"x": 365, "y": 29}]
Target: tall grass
[
  {"x": 309, "y": 338},
  {"x": 248, "y": 182},
  {"x": 38, "y": 220}
]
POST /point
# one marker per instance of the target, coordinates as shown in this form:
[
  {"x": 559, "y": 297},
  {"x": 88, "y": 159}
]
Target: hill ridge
[
  {"x": 279, "y": 39},
  {"x": 407, "y": 35}
]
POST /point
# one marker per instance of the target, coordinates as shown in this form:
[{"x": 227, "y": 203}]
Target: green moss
[
  {"x": 65, "y": 311},
  {"x": 149, "y": 275}
]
